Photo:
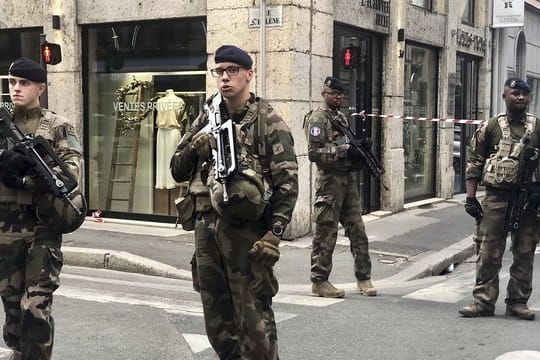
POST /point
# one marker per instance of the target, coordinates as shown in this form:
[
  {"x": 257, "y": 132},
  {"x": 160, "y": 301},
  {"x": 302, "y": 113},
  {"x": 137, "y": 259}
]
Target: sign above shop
[
  {"x": 468, "y": 40},
  {"x": 274, "y": 16},
  {"x": 508, "y": 13}
]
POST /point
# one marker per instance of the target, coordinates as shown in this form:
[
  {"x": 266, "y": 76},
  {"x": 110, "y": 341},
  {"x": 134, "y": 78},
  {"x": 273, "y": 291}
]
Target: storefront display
[
  {"x": 142, "y": 96},
  {"x": 419, "y": 136}
]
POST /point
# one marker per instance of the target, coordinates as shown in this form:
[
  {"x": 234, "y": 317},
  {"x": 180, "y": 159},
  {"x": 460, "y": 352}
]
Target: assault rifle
[
  {"x": 528, "y": 161},
  {"x": 225, "y": 159},
  {"x": 42, "y": 154},
  {"x": 367, "y": 155}
]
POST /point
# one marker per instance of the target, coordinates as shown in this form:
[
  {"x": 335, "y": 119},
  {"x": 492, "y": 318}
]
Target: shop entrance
[{"x": 363, "y": 82}]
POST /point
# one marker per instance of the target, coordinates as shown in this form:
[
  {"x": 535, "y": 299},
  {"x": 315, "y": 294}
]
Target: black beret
[
  {"x": 517, "y": 83},
  {"x": 231, "y": 53},
  {"x": 334, "y": 84},
  {"x": 28, "y": 69}
]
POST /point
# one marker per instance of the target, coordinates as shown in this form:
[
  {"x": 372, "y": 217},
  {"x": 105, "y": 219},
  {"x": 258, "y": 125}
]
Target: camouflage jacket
[
  {"x": 485, "y": 143},
  {"x": 281, "y": 157},
  {"x": 64, "y": 140},
  {"x": 322, "y": 135}
]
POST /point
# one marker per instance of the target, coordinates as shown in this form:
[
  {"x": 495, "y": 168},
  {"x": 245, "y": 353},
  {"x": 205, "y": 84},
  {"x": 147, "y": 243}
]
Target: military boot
[
  {"x": 326, "y": 289},
  {"x": 475, "y": 309},
  {"x": 365, "y": 287},
  {"x": 520, "y": 311}
]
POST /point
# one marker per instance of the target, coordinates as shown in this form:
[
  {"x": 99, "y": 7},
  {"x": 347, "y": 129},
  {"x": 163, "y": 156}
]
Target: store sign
[
  {"x": 468, "y": 40},
  {"x": 508, "y": 13},
  {"x": 382, "y": 17},
  {"x": 274, "y": 16}
]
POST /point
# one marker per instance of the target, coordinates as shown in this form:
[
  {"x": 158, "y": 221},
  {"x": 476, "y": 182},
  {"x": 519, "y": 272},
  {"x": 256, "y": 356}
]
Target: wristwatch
[{"x": 278, "y": 229}]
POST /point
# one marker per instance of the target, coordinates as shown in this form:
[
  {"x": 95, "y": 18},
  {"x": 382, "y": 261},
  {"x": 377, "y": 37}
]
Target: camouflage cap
[{"x": 517, "y": 83}]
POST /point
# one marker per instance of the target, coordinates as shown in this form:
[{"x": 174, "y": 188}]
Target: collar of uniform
[
  {"x": 241, "y": 112},
  {"x": 27, "y": 114}
]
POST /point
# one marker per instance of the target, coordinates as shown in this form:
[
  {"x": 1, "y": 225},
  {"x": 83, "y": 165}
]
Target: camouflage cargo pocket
[
  {"x": 264, "y": 283},
  {"x": 323, "y": 213},
  {"x": 185, "y": 208}
]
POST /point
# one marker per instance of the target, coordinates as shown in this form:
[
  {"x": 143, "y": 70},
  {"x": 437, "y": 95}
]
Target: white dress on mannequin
[{"x": 170, "y": 108}]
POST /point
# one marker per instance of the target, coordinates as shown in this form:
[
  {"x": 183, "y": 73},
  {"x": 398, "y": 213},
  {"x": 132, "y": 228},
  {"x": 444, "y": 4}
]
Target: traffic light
[
  {"x": 51, "y": 54},
  {"x": 349, "y": 57}
]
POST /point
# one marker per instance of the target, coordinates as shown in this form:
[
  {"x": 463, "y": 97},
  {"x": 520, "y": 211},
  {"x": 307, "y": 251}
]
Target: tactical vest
[
  {"x": 11, "y": 196},
  {"x": 501, "y": 168}
]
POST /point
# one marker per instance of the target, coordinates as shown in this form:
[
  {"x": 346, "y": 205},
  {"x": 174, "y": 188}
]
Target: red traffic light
[
  {"x": 51, "y": 53},
  {"x": 349, "y": 56}
]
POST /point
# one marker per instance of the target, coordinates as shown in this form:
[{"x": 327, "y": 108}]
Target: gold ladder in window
[{"x": 121, "y": 189}]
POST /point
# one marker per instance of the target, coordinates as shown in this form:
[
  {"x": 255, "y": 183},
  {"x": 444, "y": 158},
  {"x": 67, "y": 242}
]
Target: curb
[
  {"x": 120, "y": 261},
  {"x": 436, "y": 263}
]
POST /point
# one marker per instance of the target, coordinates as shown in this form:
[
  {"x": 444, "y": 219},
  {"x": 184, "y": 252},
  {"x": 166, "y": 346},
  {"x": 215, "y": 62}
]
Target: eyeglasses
[
  {"x": 231, "y": 71},
  {"x": 335, "y": 93}
]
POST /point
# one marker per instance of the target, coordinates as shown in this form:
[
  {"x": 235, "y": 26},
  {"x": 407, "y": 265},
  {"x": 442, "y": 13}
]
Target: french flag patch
[{"x": 315, "y": 131}]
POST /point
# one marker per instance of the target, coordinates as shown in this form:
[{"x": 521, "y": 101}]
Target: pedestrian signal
[
  {"x": 51, "y": 53},
  {"x": 349, "y": 57}
]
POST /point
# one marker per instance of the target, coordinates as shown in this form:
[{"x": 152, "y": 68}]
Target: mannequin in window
[{"x": 170, "y": 110}]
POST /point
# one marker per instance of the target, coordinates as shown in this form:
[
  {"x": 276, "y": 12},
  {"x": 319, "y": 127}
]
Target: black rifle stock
[
  {"x": 42, "y": 154},
  {"x": 528, "y": 161}
]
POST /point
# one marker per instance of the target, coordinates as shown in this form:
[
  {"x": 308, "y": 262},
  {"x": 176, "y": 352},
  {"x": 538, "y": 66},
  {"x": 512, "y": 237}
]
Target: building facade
[{"x": 415, "y": 61}]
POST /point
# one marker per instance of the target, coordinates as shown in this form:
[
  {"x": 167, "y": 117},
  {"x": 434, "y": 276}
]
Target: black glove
[
  {"x": 14, "y": 165},
  {"x": 364, "y": 141},
  {"x": 473, "y": 207},
  {"x": 353, "y": 153}
]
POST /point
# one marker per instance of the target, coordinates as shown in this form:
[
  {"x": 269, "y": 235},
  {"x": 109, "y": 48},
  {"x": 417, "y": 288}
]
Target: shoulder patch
[{"x": 315, "y": 131}]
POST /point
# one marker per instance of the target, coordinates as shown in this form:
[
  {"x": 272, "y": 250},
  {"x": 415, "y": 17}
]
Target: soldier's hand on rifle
[
  {"x": 14, "y": 165},
  {"x": 203, "y": 143},
  {"x": 266, "y": 250},
  {"x": 473, "y": 207},
  {"x": 353, "y": 153}
]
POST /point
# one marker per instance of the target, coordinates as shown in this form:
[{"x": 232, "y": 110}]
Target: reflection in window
[
  {"x": 426, "y": 4},
  {"x": 534, "y": 97},
  {"x": 419, "y": 140}
]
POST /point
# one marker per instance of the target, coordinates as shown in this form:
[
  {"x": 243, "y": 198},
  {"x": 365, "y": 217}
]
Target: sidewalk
[{"x": 423, "y": 240}]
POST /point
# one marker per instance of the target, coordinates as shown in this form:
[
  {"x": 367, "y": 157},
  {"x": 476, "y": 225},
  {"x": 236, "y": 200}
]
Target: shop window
[
  {"x": 426, "y": 4},
  {"x": 15, "y": 44},
  {"x": 419, "y": 136},
  {"x": 468, "y": 13},
  {"x": 145, "y": 84}
]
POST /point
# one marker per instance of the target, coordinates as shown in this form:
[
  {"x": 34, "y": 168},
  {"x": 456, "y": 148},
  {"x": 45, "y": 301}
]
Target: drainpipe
[{"x": 262, "y": 46}]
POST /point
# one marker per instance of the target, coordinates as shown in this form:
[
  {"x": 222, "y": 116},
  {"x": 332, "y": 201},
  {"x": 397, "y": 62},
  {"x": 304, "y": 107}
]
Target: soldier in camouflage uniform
[
  {"x": 493, "y": 154},
  {"x": 237, "y": 242},
  {"x": 336, "y": 198},
  {"x": 30, "y": 253}
]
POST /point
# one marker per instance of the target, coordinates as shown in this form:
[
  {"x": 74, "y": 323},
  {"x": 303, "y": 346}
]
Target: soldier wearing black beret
[
  {"x": 494, "y": 160},
  {"x": 32, "y": 224},
  {"x": 336, "y": 196},
  {"x": 237, "y": 240}
]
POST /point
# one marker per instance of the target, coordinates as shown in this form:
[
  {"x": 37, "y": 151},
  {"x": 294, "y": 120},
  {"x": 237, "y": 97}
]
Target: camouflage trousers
[
  {"x": 236, "y": 292},
  {"x": 492, "y": 239},
  {"x": 30, "y": 264},
  {"x": 337, "y": 200}
]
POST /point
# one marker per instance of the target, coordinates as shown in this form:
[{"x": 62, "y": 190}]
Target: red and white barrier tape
[{"x": 455, "y": 121}]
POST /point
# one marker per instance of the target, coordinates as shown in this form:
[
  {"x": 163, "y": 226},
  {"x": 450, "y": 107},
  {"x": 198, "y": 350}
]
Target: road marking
[
  {"x": 102, "y": 296},
  {"x": 451, "y": 290},
  {"x": 520, "y": 355},
  {"x": 197, "y": 342},
  {"x": 305, "y": 300}
]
